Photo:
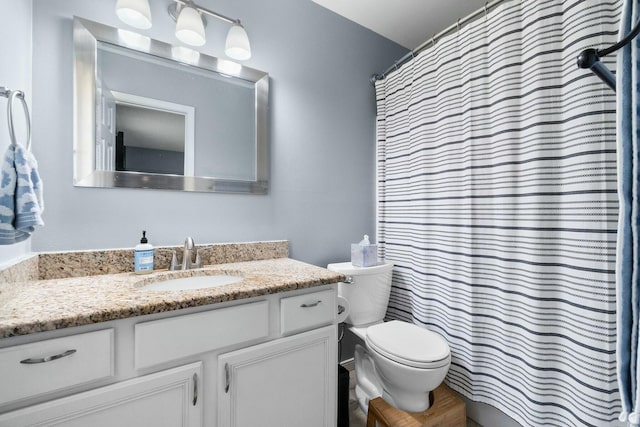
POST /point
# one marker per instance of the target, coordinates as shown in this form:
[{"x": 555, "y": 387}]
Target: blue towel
[{"x": 21, "y": 202}]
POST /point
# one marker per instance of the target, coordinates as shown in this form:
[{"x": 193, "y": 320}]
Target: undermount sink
[{"x": 193, "y": 282}]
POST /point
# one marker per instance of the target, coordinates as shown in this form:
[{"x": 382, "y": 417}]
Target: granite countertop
[{"x": 43, "y": 305}]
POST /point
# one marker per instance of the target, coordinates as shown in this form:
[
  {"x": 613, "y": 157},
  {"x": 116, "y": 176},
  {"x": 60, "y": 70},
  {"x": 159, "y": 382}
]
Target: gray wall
[
  {"x": 322, "y": 136},
  {"x": 15, "y": 73}
]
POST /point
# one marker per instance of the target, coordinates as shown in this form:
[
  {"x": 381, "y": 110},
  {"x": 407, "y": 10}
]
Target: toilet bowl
[
  {"x": 409, "y": 363},
  {"x": 399, "y": 361}
]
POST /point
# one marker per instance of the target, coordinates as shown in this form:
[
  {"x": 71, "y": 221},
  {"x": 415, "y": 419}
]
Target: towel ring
[{"x": 12, "y": 96}]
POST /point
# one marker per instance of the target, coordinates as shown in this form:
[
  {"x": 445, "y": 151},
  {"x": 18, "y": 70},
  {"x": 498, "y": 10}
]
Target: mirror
[{"x": 151, "y": 115}]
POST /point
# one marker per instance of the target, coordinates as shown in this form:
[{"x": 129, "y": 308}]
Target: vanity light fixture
[
  {"x": 136, "y": 13},
  {"x": 237, "y": 44},
  {"x": 191, "y": 22},
  {"x": 190, "y": 27}
]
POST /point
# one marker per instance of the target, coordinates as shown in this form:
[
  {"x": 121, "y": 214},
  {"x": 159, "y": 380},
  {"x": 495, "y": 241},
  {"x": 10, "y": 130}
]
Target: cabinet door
[
  {"x": 164, "y": 399},
  {"x": 289, "y": 382}
]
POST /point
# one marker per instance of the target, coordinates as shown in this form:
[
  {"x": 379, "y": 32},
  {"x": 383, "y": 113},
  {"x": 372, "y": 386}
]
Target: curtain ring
[
  {"x": 486, "y": 11},
  {"x": 20, "y": 95},
  {"x": 458, "y": 25},
  {"x": 433, "y": 41}
]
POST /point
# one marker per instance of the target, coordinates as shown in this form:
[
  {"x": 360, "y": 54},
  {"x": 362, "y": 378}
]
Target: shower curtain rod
[
  {"x": 432, "y": 41},
  {"x": 590, "y": 58}
]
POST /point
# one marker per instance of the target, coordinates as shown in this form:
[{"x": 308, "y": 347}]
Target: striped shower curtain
[
  {"x": 628, "y": 268},
  {"x": 497, "y": 202}
]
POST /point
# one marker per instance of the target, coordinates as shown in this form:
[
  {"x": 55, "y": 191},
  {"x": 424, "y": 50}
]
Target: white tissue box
[{"x": 364, "y": 255}]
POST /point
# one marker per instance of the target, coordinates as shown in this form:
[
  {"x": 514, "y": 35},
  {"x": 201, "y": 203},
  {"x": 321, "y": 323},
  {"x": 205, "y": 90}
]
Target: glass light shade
[
  {"x": 185, "y": 54},
  {"x": 134, "y": 40},
  {"x": 237, "y": 44},
  {"x": 190, "y": 28},
  {"x": 229, "y": 67},
  {"x": 136, "y": 13}
]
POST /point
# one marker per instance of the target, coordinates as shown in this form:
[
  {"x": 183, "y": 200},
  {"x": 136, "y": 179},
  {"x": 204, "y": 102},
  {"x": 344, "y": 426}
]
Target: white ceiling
[{"x": 407, "y": 22}]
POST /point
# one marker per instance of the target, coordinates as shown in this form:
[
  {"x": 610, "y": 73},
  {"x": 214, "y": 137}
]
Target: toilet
[{"x": 399, "y": 361}]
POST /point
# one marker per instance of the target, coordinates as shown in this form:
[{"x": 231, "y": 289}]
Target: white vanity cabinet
[
  {"x": 165, "y": 399},
  {"x": 278, "y": 353},
  {"x": 49, "y": 365},
  {"x": 165, "y": 340},
  {"x": 288, "y": 382}
]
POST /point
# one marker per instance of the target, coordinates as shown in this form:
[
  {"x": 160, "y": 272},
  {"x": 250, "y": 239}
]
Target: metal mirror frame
[{"x": 86, "y": 35}]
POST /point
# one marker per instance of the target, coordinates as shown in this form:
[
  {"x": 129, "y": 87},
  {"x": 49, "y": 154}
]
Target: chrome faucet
[
  {"x": 186, "y": 253},
  {"x": 187, "y": 250}
]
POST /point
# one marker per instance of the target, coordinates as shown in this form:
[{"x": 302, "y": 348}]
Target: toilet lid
[{"x": 408, "y": 344}]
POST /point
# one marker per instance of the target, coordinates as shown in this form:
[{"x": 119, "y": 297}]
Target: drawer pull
[
  {"x": 195, "y": 389},
  {"x": 310, "y": 305},
  {"x": 227, "y": 378},
  {"x": 48, "y": 358}
]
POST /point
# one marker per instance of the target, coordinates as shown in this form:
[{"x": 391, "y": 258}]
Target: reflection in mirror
[
  {"x": 142, "y": 147},
  {"x": 148, "y": 135},
  {"x": 159, "y": 122}
]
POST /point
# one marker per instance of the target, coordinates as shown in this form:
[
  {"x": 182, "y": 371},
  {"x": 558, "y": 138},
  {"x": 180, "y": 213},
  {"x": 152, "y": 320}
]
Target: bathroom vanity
[{"x": 262, "y": 351}]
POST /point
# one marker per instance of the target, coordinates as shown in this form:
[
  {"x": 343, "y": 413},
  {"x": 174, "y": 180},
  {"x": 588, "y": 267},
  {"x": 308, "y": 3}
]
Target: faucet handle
[
  {"x": 174, "y": 262},
  {"x": 198, "y": 263}
]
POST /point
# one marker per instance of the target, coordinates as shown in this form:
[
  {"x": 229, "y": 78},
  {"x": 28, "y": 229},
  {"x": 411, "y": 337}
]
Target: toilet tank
[{"x": 368, "y": 292}]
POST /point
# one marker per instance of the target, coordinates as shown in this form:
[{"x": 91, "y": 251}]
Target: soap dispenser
[{"x": 143, "y": 256}]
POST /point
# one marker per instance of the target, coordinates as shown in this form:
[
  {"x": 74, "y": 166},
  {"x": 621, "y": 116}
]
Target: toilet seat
[{"x": 408, "y": 344}]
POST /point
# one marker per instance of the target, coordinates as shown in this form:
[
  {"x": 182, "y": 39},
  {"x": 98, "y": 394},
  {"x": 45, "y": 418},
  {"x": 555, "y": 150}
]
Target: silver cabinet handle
[
  {"x": 195, "y": 389},
  {"x": 310, "y": 305},
  {"x": 348, "y": 279},
  {"x": 48, "y": 358},
  {"x": 227, "y": 378}
]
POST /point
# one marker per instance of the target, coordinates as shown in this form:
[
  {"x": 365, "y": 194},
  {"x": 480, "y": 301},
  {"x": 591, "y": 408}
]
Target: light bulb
[
  {"x": 136, "y": 13},
  {"x": 189, "y": 27},
  {"x": 134, "y": 40},
  {"x": 237, "y": 44},
  {"x": 185, "y": 54},
  {"x": 229, "y": 67}
]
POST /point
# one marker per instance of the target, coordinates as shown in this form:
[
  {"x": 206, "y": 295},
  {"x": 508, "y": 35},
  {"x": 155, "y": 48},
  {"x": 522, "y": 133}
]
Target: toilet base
[{"x": 447, "y": 410}]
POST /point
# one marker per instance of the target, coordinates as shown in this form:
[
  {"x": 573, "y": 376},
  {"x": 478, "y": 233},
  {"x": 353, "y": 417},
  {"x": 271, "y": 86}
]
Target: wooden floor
[{"x": 357, "y": 418}]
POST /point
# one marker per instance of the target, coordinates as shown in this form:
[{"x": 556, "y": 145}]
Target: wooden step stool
[{"x": 447, "y": 410}]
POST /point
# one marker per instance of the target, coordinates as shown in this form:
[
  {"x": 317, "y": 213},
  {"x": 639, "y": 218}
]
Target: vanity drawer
[
  {"x": 32, "y": 369},
  {"x": 165, "y": 340},
  {"x": 307, "y": 311}
]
